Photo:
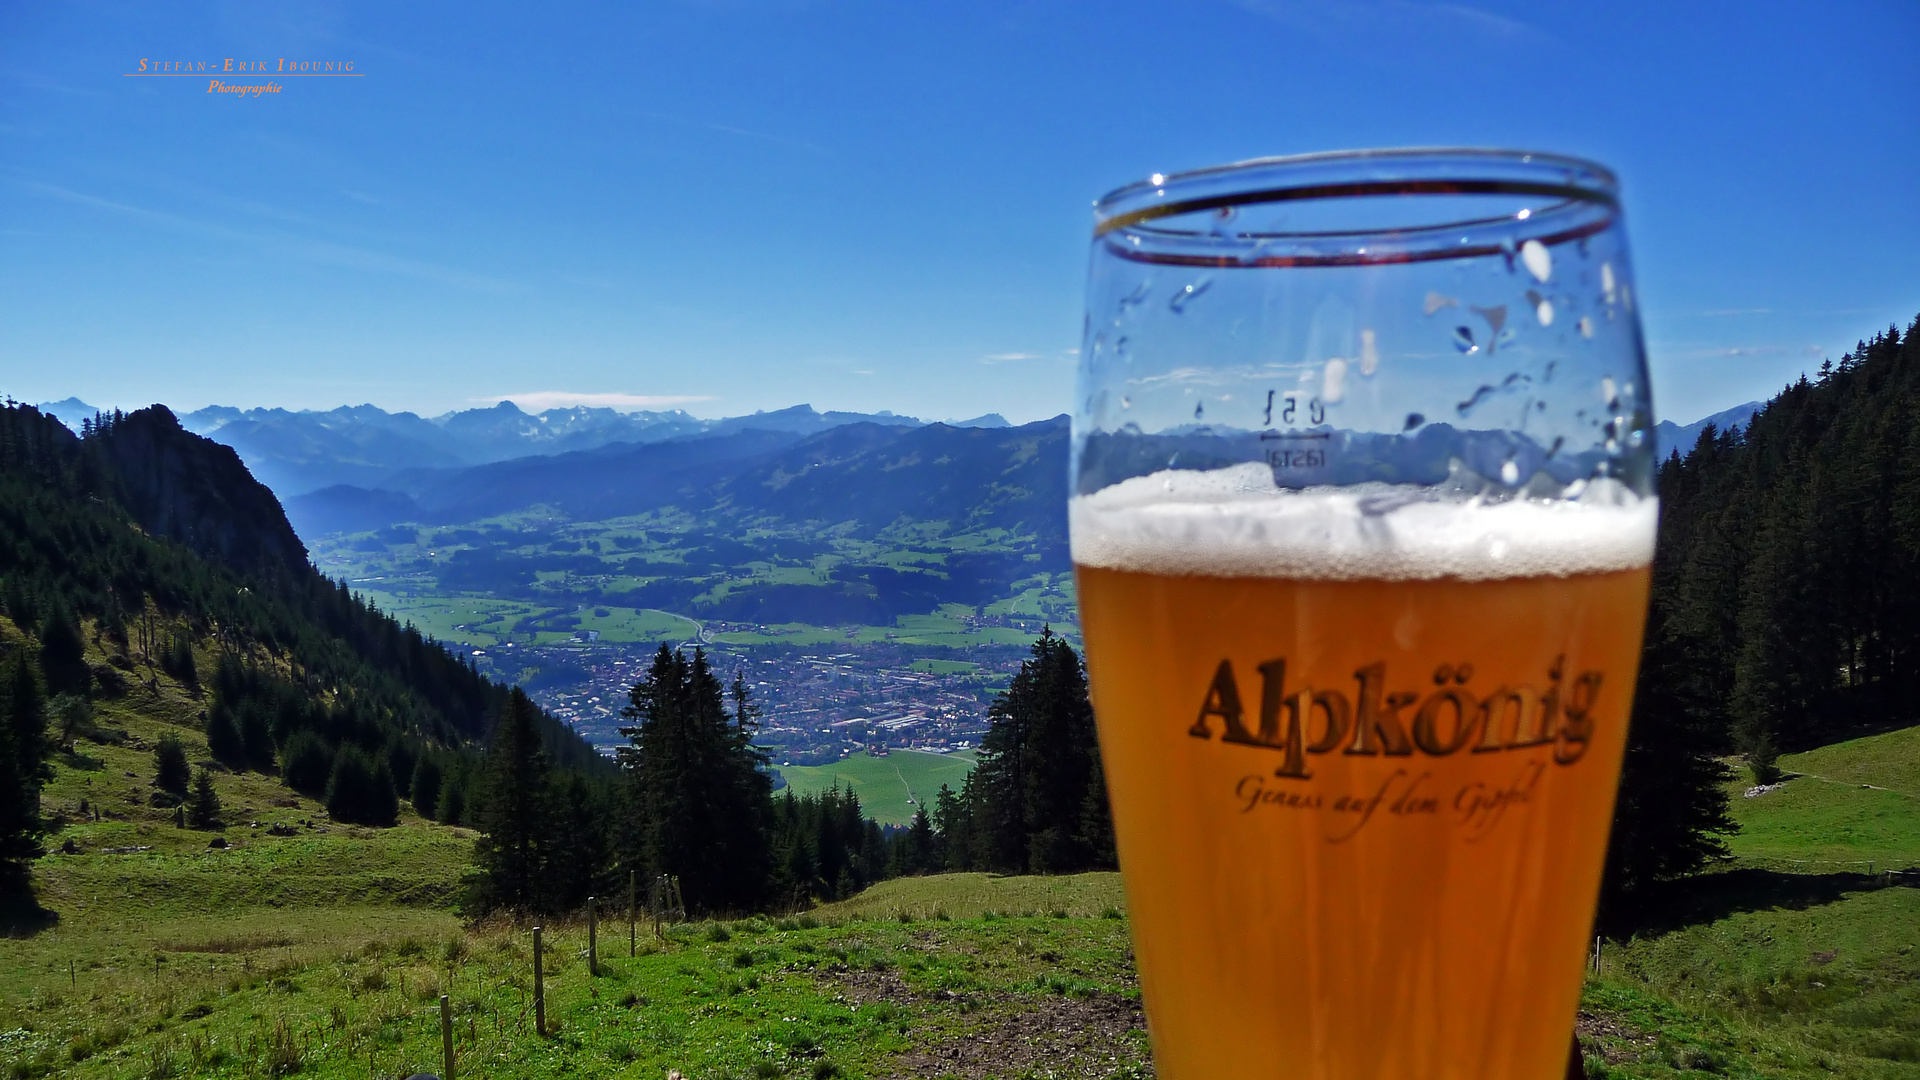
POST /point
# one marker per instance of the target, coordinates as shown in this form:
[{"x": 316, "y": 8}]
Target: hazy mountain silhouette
[
  {"x": 1669, "y": 436},
  {"x": 297, "y": 452}
]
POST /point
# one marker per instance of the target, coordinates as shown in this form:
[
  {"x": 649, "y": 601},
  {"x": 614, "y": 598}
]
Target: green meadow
[
  {"x": 304, "y": 948},
  {"x": 891, "y": 788}
]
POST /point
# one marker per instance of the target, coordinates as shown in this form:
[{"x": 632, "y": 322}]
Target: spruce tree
[
  {"x": 1036, "y": 801},
  {"x": 424, "y": 788},
  {"x": 699, "y": 798},
  {"x": 514, "y": 813},
  {"x": 23, "y": 769},
  {"x": 63, "y": 659},
  {"x": 203, "y": 804},
  {"x": 360, "y": 789},
  {"x": 306, "y": 764},
  {"x": 223, "y": 740},
  {"x": 170, "y": 771}
]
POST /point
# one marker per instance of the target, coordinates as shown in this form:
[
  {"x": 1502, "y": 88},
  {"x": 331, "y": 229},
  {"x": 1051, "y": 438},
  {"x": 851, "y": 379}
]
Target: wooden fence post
[
  {"x": 446, "y": 1038},
  {"x": 593, "y": 938},
  {"x": 539, "y": 988}
]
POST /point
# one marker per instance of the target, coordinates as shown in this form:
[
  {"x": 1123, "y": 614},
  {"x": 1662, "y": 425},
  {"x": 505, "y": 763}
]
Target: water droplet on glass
[
  {"x": 1496, "y": 316},
  {"x": 1608, "y": 391},
  {"x": 1137, "y": 296},
  {"x": 1333, "y": 381},
  {"x": 1414, "y": 420},
  {"x": 1435, "y": 302},
  {"x": 1505, "y": 335},
  {"x": 1186, "y": 294},
  {"x": 1222, "y": 224},
  {"x": 1542, "y": 307},
  {"x": 1369, "y": 353},
  {"x": 1473, "y": 402},
  {"x": 1636, "y": 438},
  {"x": 1169, "y": 484},
  {"x": 1538, "y": 259},
  {"x": 1586, "y": 327},
  {"x": 1576, "y": 489},
  {"x": 1606, "y": 280},
  {"x": 1126, "y": 402},
  {"x": 1507, "y": 251},
  {"x": 1120, "y": 346},
  {"x": 1199, "y": 409},
  {"x": 1626, "y": 297},
  {"x": 1463, "y": 340},
  {"x": 1510, "y": 472},
  {"x": 1558, "y": 440},
  {"x": 1613, "y": 448}
]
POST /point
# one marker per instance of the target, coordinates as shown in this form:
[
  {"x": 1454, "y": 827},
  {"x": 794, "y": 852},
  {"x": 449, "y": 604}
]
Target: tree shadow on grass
[
  {"x": 1705, "y": 898},
  {"x": 21, "y": 915}
]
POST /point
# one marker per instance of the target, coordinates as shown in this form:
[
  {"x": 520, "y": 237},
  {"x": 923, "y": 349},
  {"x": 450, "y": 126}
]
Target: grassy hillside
[
  {"x": 1849, "y": 806},
  {"x": 891, "y": 788},
  {"x": 325, "y": 951}
]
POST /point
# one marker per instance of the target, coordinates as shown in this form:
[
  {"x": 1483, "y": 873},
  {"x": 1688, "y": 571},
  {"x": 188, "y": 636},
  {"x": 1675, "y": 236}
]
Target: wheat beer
[{"x": 1362, "y": 751}]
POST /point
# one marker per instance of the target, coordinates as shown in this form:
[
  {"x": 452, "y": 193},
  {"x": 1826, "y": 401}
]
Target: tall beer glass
[{"x": 1362, "y": 518}]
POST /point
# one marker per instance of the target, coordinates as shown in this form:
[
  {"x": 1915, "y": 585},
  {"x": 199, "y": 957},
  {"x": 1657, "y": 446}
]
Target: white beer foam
[{"x": 1235, "y": 522}]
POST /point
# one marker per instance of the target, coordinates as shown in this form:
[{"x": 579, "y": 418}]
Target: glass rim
[{"x": 1583, "y": 199}]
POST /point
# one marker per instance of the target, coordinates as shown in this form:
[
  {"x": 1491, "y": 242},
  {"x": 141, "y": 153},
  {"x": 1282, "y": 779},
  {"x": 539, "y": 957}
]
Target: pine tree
[
  {"x": 360, "y": 789},
  {"x": 424, "y": 789},
  {"x": 203, "y": 805},
  {"x": 23, "y": 769},
  {"x": 699, "y": 798},
  {"x": 514, "y": 813},
  {"x": 170, "y": 771},
  {"x": 306, "y": 764},
  {"x": 223, "y": 740},
  {"x": 63, "y": 659},
  {"x": 1036, "y": 801}
]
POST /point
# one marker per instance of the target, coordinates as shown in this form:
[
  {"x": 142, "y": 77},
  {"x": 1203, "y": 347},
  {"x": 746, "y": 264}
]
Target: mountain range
[{"x": 295, "y": 452}]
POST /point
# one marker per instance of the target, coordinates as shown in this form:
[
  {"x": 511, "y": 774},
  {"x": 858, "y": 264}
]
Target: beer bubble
[
  {"x": 1443, "y": 674},
  {"x": 1462, "y": 673}
]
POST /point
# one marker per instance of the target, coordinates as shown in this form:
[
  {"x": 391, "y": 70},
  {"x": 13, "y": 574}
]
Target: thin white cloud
[
  {"x": 308, "y": 248},
  {"x": 1005, "y": 357},
  {"x": 542, "y": 400}
]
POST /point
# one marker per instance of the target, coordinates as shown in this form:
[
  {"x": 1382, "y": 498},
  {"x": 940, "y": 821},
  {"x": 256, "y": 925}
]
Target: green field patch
[
  {"x": 969, "y": 896},
  {"x": 1848, "y": 806},
  {"x": 944, "y": 667},
  {"x": 637, "y": 625},
  {"x": 890, "y": 788}
]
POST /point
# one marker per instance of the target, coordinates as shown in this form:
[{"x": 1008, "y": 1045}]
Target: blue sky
[{"x": 741, "y": 205}]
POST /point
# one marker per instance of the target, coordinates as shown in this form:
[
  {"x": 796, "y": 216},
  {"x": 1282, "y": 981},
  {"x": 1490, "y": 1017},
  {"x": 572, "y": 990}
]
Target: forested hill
[
  {"x": 1786, "y": 607},
  {"x": 157, "y": 542}
]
